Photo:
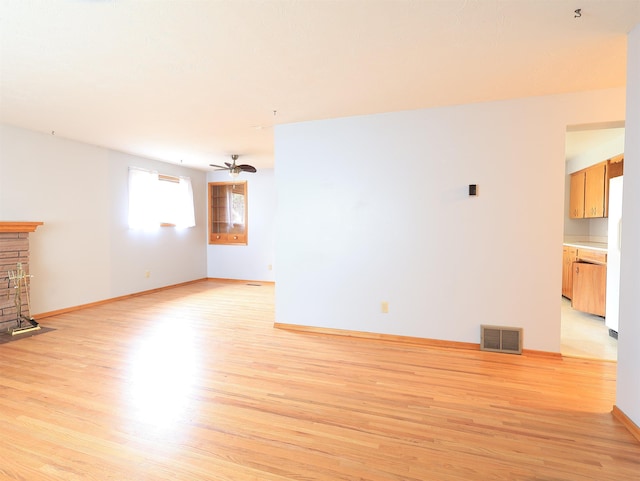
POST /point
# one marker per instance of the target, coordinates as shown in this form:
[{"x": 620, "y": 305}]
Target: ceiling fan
[{"x": 233, "y": 168}]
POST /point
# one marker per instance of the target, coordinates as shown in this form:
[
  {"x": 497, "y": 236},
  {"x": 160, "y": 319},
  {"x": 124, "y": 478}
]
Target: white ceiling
[{"x": 195, "y": 81}]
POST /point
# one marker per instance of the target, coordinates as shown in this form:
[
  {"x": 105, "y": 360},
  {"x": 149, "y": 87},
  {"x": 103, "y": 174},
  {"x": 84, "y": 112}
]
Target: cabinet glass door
[{"x": 227, "y": 212}]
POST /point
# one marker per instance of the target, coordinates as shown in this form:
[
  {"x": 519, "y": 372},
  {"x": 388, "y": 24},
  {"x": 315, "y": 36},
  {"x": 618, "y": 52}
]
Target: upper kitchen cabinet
[
  {"x": 576, "y": 198},
  {"x": 589, "y": 189},
  {"x": 595, "y": 180},
  {"x": 616, "y": 166}
]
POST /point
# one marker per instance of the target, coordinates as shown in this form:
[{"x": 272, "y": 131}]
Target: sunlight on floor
[
  {"x": 585, "y": 335},
  {"x": 164, "y": 370}
]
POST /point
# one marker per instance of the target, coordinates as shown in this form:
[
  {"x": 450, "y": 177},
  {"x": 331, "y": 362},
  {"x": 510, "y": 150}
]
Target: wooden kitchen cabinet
[
  {"x": 595, "y": 182},
  {"x": 589, "y": 288},
  {"x": 589, "y": 189},
  {"x": 616, "y": 166},
  {"x": 591, "y": 256},
  {"x": 568, "y": 258},
  {"x": 576, "y": 196}
]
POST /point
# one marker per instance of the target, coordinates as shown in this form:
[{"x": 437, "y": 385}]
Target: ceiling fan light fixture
[{"x": 234, "y": 170}]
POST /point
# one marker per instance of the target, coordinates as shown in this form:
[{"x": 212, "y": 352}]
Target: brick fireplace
[{"x": 14, "y": 248}]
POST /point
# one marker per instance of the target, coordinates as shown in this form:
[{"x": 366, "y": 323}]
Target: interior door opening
[{"x": 584, "y": 332}]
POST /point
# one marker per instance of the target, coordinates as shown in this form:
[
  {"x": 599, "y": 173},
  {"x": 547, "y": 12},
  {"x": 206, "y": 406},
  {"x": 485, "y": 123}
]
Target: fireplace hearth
[{"x": 14, "y": 250}]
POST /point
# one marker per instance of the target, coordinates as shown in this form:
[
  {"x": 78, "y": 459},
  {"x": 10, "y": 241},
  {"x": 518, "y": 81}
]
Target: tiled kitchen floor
[{"x": 585, "y": 335}]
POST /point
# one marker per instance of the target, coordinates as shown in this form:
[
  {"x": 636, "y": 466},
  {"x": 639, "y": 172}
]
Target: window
[
  {"x": 228, "y": 213},
  {"x": 159, "y": 200}
]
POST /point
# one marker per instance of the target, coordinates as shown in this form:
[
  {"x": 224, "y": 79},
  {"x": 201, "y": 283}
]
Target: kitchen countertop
[{"x": 596, "y": 246}]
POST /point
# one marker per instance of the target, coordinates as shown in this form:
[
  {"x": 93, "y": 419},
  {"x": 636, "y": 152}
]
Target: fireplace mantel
[{"x": 19, "y": 226}]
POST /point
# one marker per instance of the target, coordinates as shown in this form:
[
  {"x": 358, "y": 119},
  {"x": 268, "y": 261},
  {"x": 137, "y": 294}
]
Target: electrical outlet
[
  {"x": 270, "y": 267},
  {"x": 384, "y": 307},
  {"x": 147, "y": 273}
]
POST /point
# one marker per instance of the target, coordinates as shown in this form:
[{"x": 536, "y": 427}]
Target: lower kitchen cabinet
[
  {"x": 569, "y": 255},
  {"x": 589, "y": 288}
]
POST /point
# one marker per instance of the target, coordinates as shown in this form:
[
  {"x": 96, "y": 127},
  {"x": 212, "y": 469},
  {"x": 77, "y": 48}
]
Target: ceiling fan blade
[
  {"x": 229, "y": 166},
  {"x": 220, "y": 167},
  {"x": 246, "y": 167}
]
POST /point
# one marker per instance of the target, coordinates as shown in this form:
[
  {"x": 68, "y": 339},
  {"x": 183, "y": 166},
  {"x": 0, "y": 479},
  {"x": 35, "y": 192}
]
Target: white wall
[
  {"x": 375, "y": 209},
  {"x": 602, "y": 152},
  {"x": 253, "y": 261},
  {"x": 85, "y": 251},
  {"x": 628, "y": 385}
]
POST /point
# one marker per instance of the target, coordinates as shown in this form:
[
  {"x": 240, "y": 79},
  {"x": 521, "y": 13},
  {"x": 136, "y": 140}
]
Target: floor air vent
[{"x": 501, "y": 339}]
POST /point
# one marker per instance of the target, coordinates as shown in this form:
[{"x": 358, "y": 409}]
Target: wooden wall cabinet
[
  {"x": 587, "y": 197},
  {"x": 616, "y": 166},
  {"x": 595, "y": 182},
  {"x": 576, "y": 198},
  {"x": 228, "y": 213},
  {"x": 589, "y": 189}
]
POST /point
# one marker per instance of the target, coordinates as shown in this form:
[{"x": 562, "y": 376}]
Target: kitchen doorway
[{"x": 583, "y": 334}]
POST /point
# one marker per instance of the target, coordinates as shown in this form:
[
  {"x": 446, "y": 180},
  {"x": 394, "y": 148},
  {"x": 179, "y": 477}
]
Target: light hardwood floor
[{"x": 194, "y": 383}]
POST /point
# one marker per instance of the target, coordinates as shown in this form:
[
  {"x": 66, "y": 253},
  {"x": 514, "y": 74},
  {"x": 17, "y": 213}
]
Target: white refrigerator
[{"x": 613, "y": 254}]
